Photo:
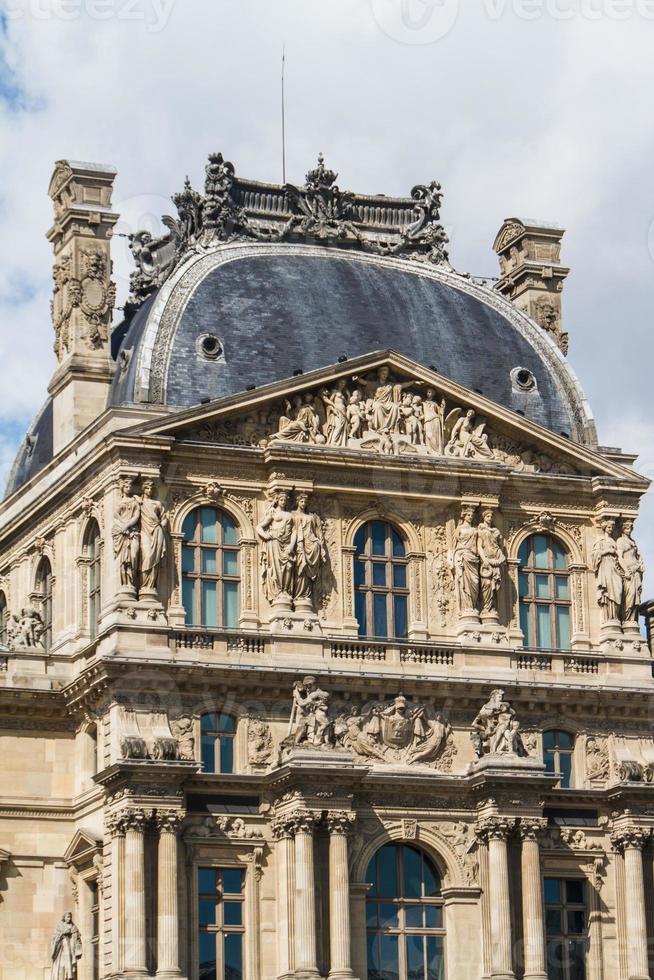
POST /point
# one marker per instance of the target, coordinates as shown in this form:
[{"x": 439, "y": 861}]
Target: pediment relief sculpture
[
  {"x": 382, "y": 414},
  {"x": 397, "y": 732}
]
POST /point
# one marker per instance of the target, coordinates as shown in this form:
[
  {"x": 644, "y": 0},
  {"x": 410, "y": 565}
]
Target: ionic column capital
[
  {"x": 495, "y": 828},
  {"x": 531, "y": 828},
  {"x": 630, "y": 837},
  {"x": 340, "y": 822}
]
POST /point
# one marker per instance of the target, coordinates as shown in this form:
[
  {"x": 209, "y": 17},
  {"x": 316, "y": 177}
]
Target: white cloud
[{"x": 540, "y": 117}]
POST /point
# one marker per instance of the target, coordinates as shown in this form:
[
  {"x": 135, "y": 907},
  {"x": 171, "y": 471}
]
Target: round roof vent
[
  {"x": 210, "y": 347},
  {"x": 522, "y": 379}
]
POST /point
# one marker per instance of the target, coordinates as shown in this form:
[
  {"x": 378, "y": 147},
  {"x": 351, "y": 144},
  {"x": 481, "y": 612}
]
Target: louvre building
[{"x": 319, "y": 608}]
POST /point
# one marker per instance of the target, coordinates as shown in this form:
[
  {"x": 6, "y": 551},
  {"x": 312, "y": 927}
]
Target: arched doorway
[{"x": 404, "y": 915}]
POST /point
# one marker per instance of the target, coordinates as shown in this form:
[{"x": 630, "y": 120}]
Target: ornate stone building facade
[{"x": 319, "y": 608}]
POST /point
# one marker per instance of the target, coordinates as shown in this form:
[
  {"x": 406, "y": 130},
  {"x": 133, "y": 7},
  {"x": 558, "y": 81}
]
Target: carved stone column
[
  {"x": 532, "y": 901},
  {"x": 168, "y": 823},
  {"x": 283, "y": 831},
  {"x": 306, "y": 960},
  {"x": 339, "y": 826},
  {"x": 134, "y": 940},
  {"x": 629, "y": 842},
  {"x": 496, "y": 831},
  {"x": 595, "y": 957},
  {"x": 116, "y": 828}
]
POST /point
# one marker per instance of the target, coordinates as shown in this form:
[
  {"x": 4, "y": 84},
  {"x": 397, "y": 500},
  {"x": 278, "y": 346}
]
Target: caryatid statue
[
  {"x": 465, "y": 562},
  {"x": 278, "y": 531},
  {"x": 154, "y": 522},
  {"x": 492, "y": 557},
  {"x": 310, "y": 552},
  {"x": 125, "y": 535},
  {"x": 608, "y": 573},
  {"x": 65, "y": 950},
  {"x": 632, "y": 569}
]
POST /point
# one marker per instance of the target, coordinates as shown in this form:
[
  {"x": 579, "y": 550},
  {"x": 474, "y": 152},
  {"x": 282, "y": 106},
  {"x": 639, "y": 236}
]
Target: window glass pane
[
  {"x": 523, "y": 552},
  {"x": 226, "y": 753},
  {"x": 207, "y": 912},
  {"x": 563, "y": 627},
  {"x": 230, "y": 605},
  {"x": 553, "y": 922},
  {"x": 543, "y": 627},
  {"x": 525, "y": 626},
  {"x": 576, "y": 960},
  {"x": 188, "y": 593},
  {"x": 233, "y": 956},
  {"x": 360, "y": 540},
  {"x": 208, "y": 524},
  {"x": 207, "y": 953},
  {"x": 233, "y": 913},
  {"x": 232, "y": 881},
  {"x": 549, "y": 760},
  {"x": 378, "y": 573},
  {"x": 230, "y": 533},
  {"x": 371, "y": 876},
  {"x": 576, "y": 921},
  {"x": 374, "y": 954},
  {"x": 549, "y": 740},
  {"x": 555, "y": 967},
  {"x": 539, "y": 544},
  {"x": 390, "y": 968},
  {"x": 230, "y": 562},
  {"x": 188, "y": 527},
  {"x": 432, "y": 884},
  {"x": 398, "y": 544},
  {"x": 560, "y": 555},
  {"x": 381, "y": 622},
  {"x": 207, "y": 880},
  {"x": 523, "y": 584},
  {"x": 387, "y": 858},
  {"x": 412, "y": 873},
  {"x": 399, "y": 602},
  {"x": 413, "y": 917},
  {"x": 552, "y": 890},
  {"x": 399, "y": 576},
  {"x": 209, "y": 723},
  {"x": 188, "y": 559},
  {"x": 415, "y": 957},
  {"x": 565, "y": 764},
  {"x": 208, "y": 756},
  {"x": 378, "y": 534},
  {"x": 542, "y": 586},
  {"x": 371, "y": 914},
  {"x": 359, "y": 572},
  {"x": 388, "y": 916},
  {"x": 209, "y": 604},
  {"x": 209, "y": 563},
  {"x": 360, "y": 612},
  {"x": 564, "y": 740},
  {"x": 562, "y": 587},
  {"x": 435, "y": 958},
  {"x": 433, "y": 916},
  {"x": 574, "y": 889}
]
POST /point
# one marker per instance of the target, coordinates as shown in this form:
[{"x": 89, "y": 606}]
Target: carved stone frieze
[
  {"x": 223, "y": 826},
  {"x": 25, "y": 631},
  {"x": 260, "y": 743}
]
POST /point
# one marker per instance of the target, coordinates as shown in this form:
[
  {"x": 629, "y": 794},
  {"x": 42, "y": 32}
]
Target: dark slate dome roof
[{"x": 275, "y": 309}]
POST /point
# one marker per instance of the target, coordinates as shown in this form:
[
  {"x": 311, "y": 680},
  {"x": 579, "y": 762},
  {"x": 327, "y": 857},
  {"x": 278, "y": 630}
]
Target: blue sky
[{"x": 521, "y": 109}]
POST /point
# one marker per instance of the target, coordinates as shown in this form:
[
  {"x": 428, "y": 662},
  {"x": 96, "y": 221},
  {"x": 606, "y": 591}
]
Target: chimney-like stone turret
[
  {"x": 84, "y": 295},
  {"x": 532, "y": 276}
]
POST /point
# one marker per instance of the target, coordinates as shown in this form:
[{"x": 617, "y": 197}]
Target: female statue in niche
[
  {"x": 65, "y": 950},
  {"x": 610, "y": 585},
  {"x": 125, "y": 535},
  {"x": 632, "y": 569},
  {"x": 278, "y": 532},
  {"x": 311, "y": 553},
  {"x": 153, "y": 539},
  {"x": 465, "y": 563},
  {"x": 492, "y": 558}
]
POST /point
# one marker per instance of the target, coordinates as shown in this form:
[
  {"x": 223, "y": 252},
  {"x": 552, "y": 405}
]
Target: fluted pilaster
[
  {"x": 168, "y": 824},
  {"x": 284, "y": 833},
  {"x": 306, "y": 960},
  {"x": 134, "y": 950},
  {"x": 532, "y": 900},
  {"x": 495, "y": 831},
  {"x": 629, "y": 841},
  {"x": 339, "y": 826}
]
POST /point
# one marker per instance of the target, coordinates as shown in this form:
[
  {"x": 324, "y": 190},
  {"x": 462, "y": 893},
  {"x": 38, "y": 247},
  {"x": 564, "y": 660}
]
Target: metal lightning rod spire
[{"x": 283, "y": 118}]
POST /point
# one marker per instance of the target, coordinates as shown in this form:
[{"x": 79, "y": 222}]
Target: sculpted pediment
[{"x": 387, "y": 405}]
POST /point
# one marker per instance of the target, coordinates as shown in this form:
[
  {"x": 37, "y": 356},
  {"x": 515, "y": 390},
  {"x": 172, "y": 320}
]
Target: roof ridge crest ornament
[{"x": 232, "y": 209}]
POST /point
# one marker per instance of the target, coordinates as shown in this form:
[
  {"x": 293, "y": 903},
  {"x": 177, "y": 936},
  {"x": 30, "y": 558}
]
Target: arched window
[
  {"x": 44, "y": 594},
  {"x": 544, "y": 588},
  {"x": 92, "y": 542},
  {"x": 4, "y": 618},
  {"x": 218, "y": 732},
  {"x": 404, "y": 916},
  {"x": 558, "y": 748},
  {"x": 210, "y": 569},
  {"x": 380, "y": 580}
]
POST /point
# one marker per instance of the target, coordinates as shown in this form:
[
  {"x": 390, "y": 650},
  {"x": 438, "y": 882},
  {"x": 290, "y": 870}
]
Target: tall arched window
[
  {"x": 404, "y": 916},
  {"x": 558, "y": 749},
  {"x": 544, "y": 588},
  {"x": 44, "y": 594},
  {"x": 380, "y": 581},
  {"x": 210, "y": 569},
  {"x": 92, "y": 546},
  {"x": 4, "y": 618},
  {"x": 218, "y": 732}
]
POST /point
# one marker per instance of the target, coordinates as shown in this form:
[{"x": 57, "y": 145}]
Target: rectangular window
[
  {"x": 566, "y": 924},
  {"x": 221, "y": 921}
]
